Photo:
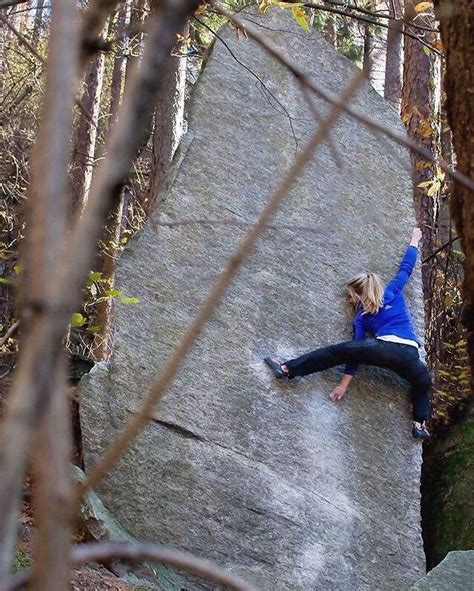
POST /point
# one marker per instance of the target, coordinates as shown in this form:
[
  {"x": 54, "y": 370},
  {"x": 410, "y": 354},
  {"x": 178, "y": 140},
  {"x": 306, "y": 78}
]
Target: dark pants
[{"x": 402, "y": 359}]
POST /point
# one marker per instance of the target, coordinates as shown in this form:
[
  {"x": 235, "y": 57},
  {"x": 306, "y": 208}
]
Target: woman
[{"x": 394, "y": 345}]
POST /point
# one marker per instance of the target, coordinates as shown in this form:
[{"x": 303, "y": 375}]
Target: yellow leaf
[
  {"x": 264, "y": 6},
  {"x": 300, "y": 17},
  {"x": 423, "y": 6}
]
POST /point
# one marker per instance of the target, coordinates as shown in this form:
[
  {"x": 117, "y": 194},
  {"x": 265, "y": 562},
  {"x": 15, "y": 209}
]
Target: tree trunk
[
  {"x": 37, "y": 23},
  {"x": 420, "y": 113},
  {"x": 367, "y": 56},
  {"x": 457, "y": 32},
  {"x": 330, "y": 28},
  {"x": 169, "y": 121},
  {"x": 86, "y": 134},
  {"x": 111, "y": 240},
  {"x": 394, "y": 59}
]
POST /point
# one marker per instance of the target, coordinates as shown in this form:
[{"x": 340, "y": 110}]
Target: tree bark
[
  {"x": 112, "y": 231},
  {"x": 457, "y": 32},
  {"x": 86, "y": 134},
  {"x": 37, "y": 23},
  {"x": 169, "y": 121},
  {"x": 330, "y": 28},
  {"x": 394, "y": 59},
  {"x": 420, "y": 113},
  {"x": 367, "y": 56}
]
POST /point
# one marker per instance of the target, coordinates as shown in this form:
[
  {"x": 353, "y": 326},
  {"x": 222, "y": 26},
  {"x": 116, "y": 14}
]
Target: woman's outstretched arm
[{"x": 407, "y": 265}]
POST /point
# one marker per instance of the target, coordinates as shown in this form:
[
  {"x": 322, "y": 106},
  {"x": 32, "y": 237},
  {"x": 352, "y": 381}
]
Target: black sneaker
[
  {"x": 278, "y": 372},
  {"x": 420, "y": 432}
]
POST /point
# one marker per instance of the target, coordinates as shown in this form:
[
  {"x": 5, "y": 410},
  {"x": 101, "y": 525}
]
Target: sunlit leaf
[
  {"x": 131, "y": 300},
  {"x": 95, "y": 276},
  {"x": 77, "y": 320},
  {"x": 93, "y": 329},
  {"x": 423, "y": 6},
  {"x": 300, "y": 17},
  {"x": 112, "y": 293}
]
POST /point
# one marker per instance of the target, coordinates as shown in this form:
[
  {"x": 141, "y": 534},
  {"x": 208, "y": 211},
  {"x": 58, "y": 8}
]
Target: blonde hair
[{"x": 366, "y": 290}]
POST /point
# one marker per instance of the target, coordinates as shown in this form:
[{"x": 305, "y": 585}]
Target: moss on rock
[{"x": 448, "y": 493}]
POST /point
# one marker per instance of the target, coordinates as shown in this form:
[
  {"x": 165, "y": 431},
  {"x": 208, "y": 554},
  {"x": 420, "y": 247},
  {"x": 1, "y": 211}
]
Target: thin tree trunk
[
  {"x": 112, "y": 231},
  {"x": 367, "y": 56},
  {"x": 330, "y": 28},
  {"x": 420, "y": 113},
  {"x": 457, "y": 28},
  {"x": 394, "y": 58},
  {"x": 169, "y": 121},
  {"x": 37, "y": 23},
  {"x": 86, "y": 134}
]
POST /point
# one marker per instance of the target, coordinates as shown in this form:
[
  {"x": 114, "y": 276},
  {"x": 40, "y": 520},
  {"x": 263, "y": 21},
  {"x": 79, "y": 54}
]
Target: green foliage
[{"x": 22, "y": 561}]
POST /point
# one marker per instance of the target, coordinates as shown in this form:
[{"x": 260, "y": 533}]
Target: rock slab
[
  {"x": 272, "y": 481},
  {"x": 454, "y": 573}
]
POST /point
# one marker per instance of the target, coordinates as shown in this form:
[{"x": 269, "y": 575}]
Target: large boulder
[{"x": 273, "y": 481}]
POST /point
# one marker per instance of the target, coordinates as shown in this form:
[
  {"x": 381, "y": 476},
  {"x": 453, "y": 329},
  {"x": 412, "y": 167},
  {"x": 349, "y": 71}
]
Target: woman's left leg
[{"x": 367, "y": 351}]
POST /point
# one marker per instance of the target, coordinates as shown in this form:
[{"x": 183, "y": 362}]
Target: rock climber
[{"x": 393, "y": 343}]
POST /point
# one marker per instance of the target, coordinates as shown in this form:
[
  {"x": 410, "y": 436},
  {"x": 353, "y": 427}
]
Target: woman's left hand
[{"x": 338, "y": 392}]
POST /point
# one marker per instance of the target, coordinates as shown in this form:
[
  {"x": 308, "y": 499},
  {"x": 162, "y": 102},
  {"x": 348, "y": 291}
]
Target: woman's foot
[
  {"x": 279, "y": 370},
  {"x": 419, "y": 430}
]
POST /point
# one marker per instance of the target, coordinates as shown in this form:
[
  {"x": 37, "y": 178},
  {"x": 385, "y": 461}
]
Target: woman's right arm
[{"x": 408, "y": 263}]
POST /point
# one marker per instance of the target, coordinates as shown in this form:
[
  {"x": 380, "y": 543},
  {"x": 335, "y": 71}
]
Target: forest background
[{"x": 86, "y": 139}]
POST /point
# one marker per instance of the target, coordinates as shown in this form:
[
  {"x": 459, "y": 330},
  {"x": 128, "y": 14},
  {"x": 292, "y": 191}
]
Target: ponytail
[{"x": 366, "y": 290}]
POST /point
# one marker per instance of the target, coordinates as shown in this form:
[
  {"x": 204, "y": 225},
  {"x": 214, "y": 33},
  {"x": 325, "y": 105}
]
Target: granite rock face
[
  {"x": 454, "y": 573},
  {"x": 272, "y": 481}
]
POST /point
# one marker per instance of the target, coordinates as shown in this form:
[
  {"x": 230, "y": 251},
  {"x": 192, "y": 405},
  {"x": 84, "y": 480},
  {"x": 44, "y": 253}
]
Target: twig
[
  {"x": 9, "y": 333},
  {"x": 138, "y": 552},
  {"x": 24, "y": 41},
  {"x": 318, "y": 117},
  {"x": 364, "y": 19},
  {"x": 375, "y": 14},
  {"x": 214, "y": 296},
  {"x": 8, "y": 3},
  {"x": 438, "y": 250},
  {"x": 372, "y": 124}
]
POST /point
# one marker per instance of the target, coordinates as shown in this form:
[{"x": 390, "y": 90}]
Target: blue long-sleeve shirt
[{"x": 393, "y": 317}]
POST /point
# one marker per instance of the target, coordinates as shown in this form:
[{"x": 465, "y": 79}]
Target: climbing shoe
[
  {"x": 276, "y": 368},
  {"x": 420, "y": 432}
]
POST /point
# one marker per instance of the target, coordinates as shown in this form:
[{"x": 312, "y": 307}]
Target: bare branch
[
  {"x": 138, "y": 552},
  {"x": 9, "y": 333},
  {"x": 8, "y": 3},
  {"x": 373, "y": 13},
  {"x": 372, "y": 124},
  {"x": 214, "y": 296},
  {"x": 24, "y": 41}
]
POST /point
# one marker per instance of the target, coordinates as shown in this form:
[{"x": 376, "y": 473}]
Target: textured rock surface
[
  {"x": 454, "y": 573},
  {"x": 273, "y": 481},
  {"x": 99, "y": 525}
]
